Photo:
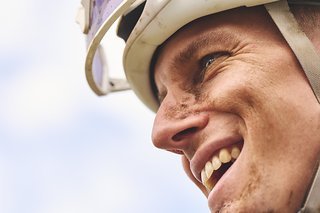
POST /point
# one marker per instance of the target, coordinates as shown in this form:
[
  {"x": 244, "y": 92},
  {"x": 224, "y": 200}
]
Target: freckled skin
[{"x": 256, "y": 89}]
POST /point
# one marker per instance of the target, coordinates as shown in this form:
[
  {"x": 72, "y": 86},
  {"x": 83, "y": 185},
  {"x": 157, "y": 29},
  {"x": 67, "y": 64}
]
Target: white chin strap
[{"x": 310, "y": 62}]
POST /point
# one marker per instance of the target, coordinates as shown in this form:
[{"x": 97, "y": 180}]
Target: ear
[{"x": 186, "y": 167}]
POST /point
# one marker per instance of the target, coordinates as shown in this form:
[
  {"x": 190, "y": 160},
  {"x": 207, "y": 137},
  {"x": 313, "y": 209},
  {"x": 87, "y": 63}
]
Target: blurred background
[{"x": 63, "y": 149}]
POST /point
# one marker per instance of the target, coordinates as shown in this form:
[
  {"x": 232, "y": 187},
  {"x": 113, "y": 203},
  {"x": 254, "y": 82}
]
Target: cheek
[{"x": 234, "y": 92}]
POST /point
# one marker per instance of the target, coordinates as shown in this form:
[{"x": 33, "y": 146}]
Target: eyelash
[
  {"x": 209, "y": 59},
  {"x": 206, "y": 62}
]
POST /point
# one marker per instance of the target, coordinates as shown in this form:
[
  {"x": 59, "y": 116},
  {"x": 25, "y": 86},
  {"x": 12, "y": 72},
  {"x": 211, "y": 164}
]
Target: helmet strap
[{"x": 310, "y": 62}]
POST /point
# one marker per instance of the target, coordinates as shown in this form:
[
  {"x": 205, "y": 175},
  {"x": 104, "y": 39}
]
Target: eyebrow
[
  {"x": 201, "y": 42},
  {"x": 188, "y": 52}
]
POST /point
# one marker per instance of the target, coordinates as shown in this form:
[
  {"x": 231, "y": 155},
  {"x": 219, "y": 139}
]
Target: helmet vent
[{"x": 128, "y": 22}]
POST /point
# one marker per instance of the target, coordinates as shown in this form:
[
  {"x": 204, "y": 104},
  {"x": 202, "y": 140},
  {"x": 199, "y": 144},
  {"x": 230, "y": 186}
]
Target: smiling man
[
  {"x": 235, "y": 102},
  {"x": 236, "y": 87}
]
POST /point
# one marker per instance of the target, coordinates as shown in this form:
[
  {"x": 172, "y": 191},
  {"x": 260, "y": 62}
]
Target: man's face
[{"x": 236, "y": 104}]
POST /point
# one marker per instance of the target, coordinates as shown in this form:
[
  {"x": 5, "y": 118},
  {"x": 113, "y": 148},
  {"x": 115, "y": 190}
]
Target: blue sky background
[{"x": 63, "y": 149}]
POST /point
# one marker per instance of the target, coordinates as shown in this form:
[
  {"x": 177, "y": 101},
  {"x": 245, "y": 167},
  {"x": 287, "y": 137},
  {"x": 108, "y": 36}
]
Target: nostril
[
  {"x": 176, "y": 151},
  {"x": 184, "y": 134}
]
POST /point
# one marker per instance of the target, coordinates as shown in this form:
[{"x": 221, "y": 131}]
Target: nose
[{"x": 177, "y": 130}]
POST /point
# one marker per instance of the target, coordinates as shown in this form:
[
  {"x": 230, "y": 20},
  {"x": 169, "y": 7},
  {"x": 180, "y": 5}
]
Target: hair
[{"x": 308, "y": 18}]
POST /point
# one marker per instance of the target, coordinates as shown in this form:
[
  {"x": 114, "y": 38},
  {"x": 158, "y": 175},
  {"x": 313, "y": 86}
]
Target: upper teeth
[{"x": 224, "y": 156}]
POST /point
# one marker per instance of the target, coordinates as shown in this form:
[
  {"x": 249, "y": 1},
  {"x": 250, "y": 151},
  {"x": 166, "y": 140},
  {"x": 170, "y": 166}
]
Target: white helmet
[{"x": 144, "y": 26}]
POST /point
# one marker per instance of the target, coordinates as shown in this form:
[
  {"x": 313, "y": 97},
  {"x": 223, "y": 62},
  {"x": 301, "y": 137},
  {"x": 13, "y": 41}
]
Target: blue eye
[
  {"x": 209, "y": 59},
  {"x": 206, "y": 61},
  {"x": 209, "y": 62}
]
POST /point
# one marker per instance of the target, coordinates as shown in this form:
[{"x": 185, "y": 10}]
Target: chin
[{"x": 253, "y": 203}]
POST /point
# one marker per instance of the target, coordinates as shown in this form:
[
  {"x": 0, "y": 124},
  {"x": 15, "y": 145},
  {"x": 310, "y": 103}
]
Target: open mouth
[{"x": 219, "y": 163}]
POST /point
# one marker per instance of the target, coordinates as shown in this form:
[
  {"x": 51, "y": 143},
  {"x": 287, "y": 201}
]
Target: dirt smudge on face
[
  {"x": 243, "y": 202},
  {"x": 191, "y": 104},
  {"x": 253, "y": 183}
]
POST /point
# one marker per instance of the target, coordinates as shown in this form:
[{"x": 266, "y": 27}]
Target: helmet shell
[{"x": 159, "y": 20}]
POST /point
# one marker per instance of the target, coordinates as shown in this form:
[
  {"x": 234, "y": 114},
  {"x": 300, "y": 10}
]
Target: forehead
[
  {"x": 251, "y": 17},
  {"x": 220, "y": 29}
]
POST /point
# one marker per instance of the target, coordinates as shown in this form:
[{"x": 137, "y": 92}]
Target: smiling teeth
[
  {"x": 216, "y": 163},
  {"x": 235, "y": 152},
  {"x": 208, "y": 169},
  {"x": 224, "y": 156}
]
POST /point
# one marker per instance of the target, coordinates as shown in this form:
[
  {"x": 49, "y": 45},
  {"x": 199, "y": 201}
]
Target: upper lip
[{"x": 206, "y": 151}]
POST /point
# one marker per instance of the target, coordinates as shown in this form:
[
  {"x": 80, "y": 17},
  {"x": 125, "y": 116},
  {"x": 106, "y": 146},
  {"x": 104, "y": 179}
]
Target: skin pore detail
[
  {"x": 252, "y": 93},
  {"x": 253, "y": 184}
]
